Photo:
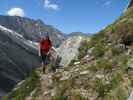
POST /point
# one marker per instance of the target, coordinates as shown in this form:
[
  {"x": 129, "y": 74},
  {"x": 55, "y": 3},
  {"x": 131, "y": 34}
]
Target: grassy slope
[
  {"x": 24, "y": 89},
  {"x": 108, "y": 76}
]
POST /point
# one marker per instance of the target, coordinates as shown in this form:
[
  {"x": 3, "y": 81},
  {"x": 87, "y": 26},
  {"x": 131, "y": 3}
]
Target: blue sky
[{"x": 87, "y": 16}]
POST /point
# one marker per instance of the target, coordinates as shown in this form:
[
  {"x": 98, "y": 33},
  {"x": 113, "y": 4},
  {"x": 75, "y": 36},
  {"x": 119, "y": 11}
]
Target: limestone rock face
[
  {"x": 131, "y": 96},
  {"x": 69, "y": 49}
]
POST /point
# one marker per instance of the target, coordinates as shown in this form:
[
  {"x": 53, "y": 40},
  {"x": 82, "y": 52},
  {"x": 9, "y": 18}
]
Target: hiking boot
[
  {"x": 43, "y": 70},
  {"x": 53, "y": 69}
]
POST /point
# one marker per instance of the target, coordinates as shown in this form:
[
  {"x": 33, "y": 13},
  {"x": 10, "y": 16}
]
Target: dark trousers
[{"x": 44, "y": 59}]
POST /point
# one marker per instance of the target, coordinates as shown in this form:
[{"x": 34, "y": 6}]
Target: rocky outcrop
[
  {"x": 69, "y": 49},
  {"x": 130, "y": 3},
  {"x": 17, "y": 57},
  {"x": 130, "y": 63},
  {"x": 131, "y": 96}
]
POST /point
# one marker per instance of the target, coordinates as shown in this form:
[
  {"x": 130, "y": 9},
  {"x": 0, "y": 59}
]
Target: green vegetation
[
  {"x": 117, "y": 94},
  {"x": 116, "y": 79},
  {"x": 23, "y": 90},
  {"x": 104, "y": 64},
  {"x": 101, "y": 87},
  {"x": 63, "y": 87},
  {"x": 83, "y": 49},
  {"x": 98, "y": 51}
]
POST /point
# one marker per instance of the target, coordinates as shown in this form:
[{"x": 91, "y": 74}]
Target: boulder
[
  {"x": 130, "y": 63},
  {"x": 131, "y": 96}
]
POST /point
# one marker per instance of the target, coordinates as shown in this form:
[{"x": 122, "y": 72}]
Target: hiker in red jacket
[{"x": 44, "y": 47}]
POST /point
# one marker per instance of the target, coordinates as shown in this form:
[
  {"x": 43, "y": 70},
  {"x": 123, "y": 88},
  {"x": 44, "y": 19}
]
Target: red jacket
[{"x": 45, "y": 45}]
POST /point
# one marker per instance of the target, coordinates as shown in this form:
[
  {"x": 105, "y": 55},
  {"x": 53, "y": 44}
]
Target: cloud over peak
[{"x": 16, "y": 12}]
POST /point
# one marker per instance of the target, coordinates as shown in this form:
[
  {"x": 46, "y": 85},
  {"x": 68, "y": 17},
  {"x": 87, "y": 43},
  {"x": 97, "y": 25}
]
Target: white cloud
[
  {"x": 16, "y": 12},
  {"x": 49, "y": 5},
  {"x": 107, "y": 3}
]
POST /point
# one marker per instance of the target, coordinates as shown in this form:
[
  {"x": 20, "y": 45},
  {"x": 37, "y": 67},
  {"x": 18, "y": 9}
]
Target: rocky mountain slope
[
  {"x": 17, "y": 58},
  {"x": 103, "y": 69},
  {"x": 31, "y": 29}
]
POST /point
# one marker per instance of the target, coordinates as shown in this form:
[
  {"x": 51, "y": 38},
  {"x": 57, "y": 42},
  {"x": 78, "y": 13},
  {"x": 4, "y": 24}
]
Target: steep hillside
[
  {"x": 31, "y": 29},
  {"x": 17, "y": 58},
  {"x": 102, "y": 71}
]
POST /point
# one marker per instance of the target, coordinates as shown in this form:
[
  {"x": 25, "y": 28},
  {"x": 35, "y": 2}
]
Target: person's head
[{"x": 45, "y": 36}]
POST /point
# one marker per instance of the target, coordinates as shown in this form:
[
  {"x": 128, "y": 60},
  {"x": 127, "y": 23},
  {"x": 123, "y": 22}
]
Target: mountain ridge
[
  {"x": 31, "y": 29},
  {"x": 78, "y": 34}
]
